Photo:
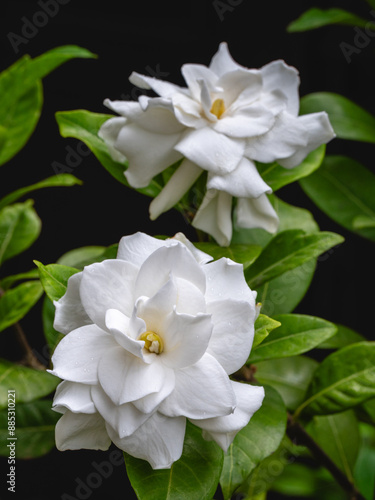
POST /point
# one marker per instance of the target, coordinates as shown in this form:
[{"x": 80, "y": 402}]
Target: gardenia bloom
[
  {"x": 151, "y": 339},
  {"x": 227, "y": 118}
]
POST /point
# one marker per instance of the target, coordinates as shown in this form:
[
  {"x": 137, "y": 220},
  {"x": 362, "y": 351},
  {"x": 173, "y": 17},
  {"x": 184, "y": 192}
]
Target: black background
[{"x": 161, "y": 37}]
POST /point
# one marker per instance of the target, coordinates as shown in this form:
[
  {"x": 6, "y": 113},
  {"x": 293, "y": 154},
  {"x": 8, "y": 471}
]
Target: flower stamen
[
  {"x": 153, "y": 342},
  {"x": 218, "y": 107}
]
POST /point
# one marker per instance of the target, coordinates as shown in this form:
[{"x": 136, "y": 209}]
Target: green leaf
[
  {"x": 243, "y": 254},
  {"x": 22, "y": 95},
  {"x": 297, "y": 334},
  {"x": 261, "y": 437},
  {"x": 345, "y": 190},
  {"x": 35, "y": 430},
  {"x": 344, "y": 336},
  {"x": 316, "y": 18},
  {"x": 9, "y": 281},
  {"x": 28, "y": 384},
  {"x": 52, "y": 336},
  {"x": 56, "y": 180},
  {"x": 84, "y": 256},
  {"x": 286, "y": 251},
  {"x": 277, "y": 176},
  {"x": 338, "y": 436},
  {"x": 19, "y": 228},
  {"x": 263, "y": 327},
  {"x": 54, "y": 278},
  {"x": 193, "y": 477},
  {"x": 364, "y": 472},
  {"x": 17, "y": 302},
  {"x": 289, "y": 376},
  {"x": 366, "y": 411},
  {"x": 349, "y": 120},
  {"x": 344, "y": 379}
]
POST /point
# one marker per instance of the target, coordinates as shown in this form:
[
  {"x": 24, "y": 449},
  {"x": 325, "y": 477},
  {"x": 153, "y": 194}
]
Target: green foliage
[
  {"x": 261, "y": 437},
  {"x": 364, "y": 472},
  {"x": 244, "y": 254},
  {"x": 345, "y": 191},
  {"x": 35, "y": 430},
  {"x": 263, "y": 327},
  {"x": 343, "y": 337},
  {"x": 343, "y": 380},
  {"x": 17, "y": 302},
  {"x": 297, "y": 334},
  {"x": 193, "y": 477},
  {"x": 54, "y": 278},
  {"x": 28, "y": 384},
  {"x": 316, "y": 18},
  {"x": 9, "y": 281}
]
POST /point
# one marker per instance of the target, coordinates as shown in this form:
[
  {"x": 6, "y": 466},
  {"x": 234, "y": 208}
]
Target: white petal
[
  {"x": 77, "y": 355},
  {"x": 214, "y": 216},
  {"x": 190, "y": 300},
  {"x": 109, "y": 132},
  {"x": 137, "y": 247},
  {"x": 180, "y": 182},
  {"x": 241, "y": 87},
  {"x": 193, "y": 73},
  {"x": 279, "y": 76},
  {"x": 200, "y": 257},
  {"x": 211, "y": 151},
  {"x": 164, "y": 89},
  {"x": 126, "y": 378},
  {"x": 149, "y": 403},
  {"x": 176, "y": 261},
  {"x": 75, "y": 431},
  {"x": 223, "y": 429},
  {"x": 201, "y": 391},
  {"x": 185, "y": 339},
  {"x": 159, "y": 441},
  {"x": 119, "y": 325},
  {"x": 125, "y": 419},
  {"x": 222, "y": 62},
  {"x": 188, "y": 111},
  {"x": 256, "y": 212},
  {"x": 146, "y": 162},
  {"x": 225, "y": 280},
  {"x": 250, "y": 121},
  {"x": 245, "y": 181},
  {"x": 70, "y": 313},
  {"x": 75, "y": 397},
  {"x": 233, "y": 332},
  {"x": 108, "y": 285}
]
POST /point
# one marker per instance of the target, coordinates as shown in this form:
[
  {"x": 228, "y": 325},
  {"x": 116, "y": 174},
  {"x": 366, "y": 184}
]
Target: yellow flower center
[
  {"x": 153, "y": 342},
  {"x": 218, "y": 107}
]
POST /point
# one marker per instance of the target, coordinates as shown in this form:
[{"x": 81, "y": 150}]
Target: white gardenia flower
[
  {"x": 226, "y": 118},
  {"x": 151, "y": 339}
]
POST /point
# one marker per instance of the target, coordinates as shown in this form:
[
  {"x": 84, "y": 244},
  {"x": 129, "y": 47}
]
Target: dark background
[{"x": 161, "y": 37}]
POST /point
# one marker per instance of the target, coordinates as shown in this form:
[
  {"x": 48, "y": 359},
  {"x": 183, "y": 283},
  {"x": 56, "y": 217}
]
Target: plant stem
[{"x": 296, "y": 432}]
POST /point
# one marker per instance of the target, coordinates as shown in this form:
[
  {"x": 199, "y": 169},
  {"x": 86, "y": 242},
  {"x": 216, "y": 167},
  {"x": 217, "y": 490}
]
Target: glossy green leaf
[
  {"x": 28, "y": 384},
  {"x": 84, "y": 256},
  {"x": 349, "y": 120},
  {"x": 261, "y": 437},
  {"x": 343, "y": 380},
  {"x": 277, "y": 176},
  {"x": 366, "y": 411},
  {"x": 316, "y": 18},
  {"x": 9, "y": 281},
  {"x": 19, "y": 228},
  {"x": 345, "y": 191},
  {"x": 297, "y": 334},
  {"x": 364, "y": 472},
  {"x": 343, "y": 337},
  {"x": 35, "y": 430},
  {"x": 54, "y": 278},
  {"x": 17, "y": 302},
  {"x": 55, "y": 181},
  {"x": 263, "y": 326},
  {"x": 244, "y": 254},
  {"x": 286, "y": 251},
  {"x": 289, "y": 376},
  {"x": 193, "y": 477}
]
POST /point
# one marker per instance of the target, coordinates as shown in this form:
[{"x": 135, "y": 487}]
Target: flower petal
[
  {"x": 119, "y": 325},
  {"x": 241, "y": 87},
  {"x": 223, "y": 429},
  {"x": 149, "y": 403},
  {"x": 279, "y": 76},
  {"x": 211, "y": 151},
  {"x": 180, "y": 182},
  {"x": 159, "y": 440},
  {"x": 125, "y": 419},
  {"x": 109, "y": 132},
  {"x": 214, "y": 216},
  {"x": 108, "y": 285},
  {"x": 77, "y": 355},
  {"x": 256, "y": 212},
  {"x": 200, "y": 257},
  {"x": 193, "y": 74},
  {"x": 233, "y": 332},
  {"x": 188, "y": 111},
  {"x": 75, "y": 431},
  {"x": 164, "y": 89},
  {"x": 137, "y": 247},
  {"x": 222, "y": 62},
  {"x": 246, "y": 122},
  {"x": 202, "y": 390},
  {"x": 245, "y": 181},
  {"x": 190, "y": 300},
  {"x": 75, "y": 397},
  {"x": 70, "y": 313}
]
